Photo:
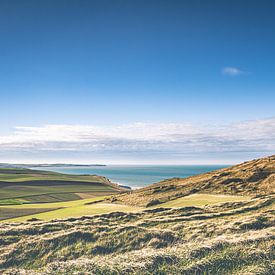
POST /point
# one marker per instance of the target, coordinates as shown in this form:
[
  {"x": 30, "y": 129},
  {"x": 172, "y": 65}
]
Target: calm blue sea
[{"x": 137, "y": 176}]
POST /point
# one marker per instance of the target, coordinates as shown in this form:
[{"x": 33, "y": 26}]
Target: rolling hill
[{"x": 252, "y": 178}]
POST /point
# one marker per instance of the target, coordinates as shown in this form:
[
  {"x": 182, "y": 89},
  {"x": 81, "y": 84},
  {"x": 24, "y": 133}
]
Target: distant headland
[{"x": 61, "y": 165}]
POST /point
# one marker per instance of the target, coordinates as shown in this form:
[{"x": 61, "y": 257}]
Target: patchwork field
[
  {"x": 23, "y": 185},
  {"x": 24, "y": 192}
]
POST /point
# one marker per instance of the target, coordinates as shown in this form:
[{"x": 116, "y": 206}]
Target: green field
[
  {"x": 24, "y": 185},
  {"x": 61, "y": 210},
  {"x": 202, "y": 200},
  {"x": 85, "y": 207}
]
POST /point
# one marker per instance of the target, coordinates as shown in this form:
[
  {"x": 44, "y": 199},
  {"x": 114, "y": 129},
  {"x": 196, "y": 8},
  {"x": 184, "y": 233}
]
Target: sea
[{"x": 137, "y": 176}]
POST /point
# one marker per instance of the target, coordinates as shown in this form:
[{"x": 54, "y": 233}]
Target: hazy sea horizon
[{"x": 137, "y": 176}]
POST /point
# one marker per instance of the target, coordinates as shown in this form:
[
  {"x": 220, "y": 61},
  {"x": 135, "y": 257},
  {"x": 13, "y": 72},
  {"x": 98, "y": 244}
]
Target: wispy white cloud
[
  {"x": 144, "y": 138},
  {"x": 232, "y": 71}
]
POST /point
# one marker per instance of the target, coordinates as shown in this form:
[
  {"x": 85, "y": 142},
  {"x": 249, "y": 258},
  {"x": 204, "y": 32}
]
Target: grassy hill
[
  {"x": 227, "y": 227},
  {"x": 250, "y": 178}
]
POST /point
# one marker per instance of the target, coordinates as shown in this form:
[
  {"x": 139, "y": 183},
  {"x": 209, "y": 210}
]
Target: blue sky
[{"x": 81, "y": 67}]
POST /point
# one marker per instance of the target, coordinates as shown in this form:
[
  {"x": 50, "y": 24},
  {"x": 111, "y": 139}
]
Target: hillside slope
[
  {"x": 256, "y": 177},
  {"x": 232, "y": 238}
]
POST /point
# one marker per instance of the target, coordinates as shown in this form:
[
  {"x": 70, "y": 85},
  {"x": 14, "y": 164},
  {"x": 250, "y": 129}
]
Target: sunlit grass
[
  {"x": 83, "y": 207},
  {"x": 71, "y": 209},
  {"x": 202, "y": 200}
]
